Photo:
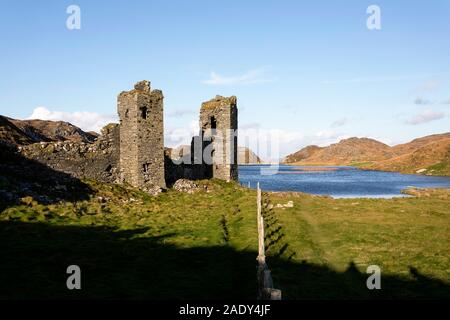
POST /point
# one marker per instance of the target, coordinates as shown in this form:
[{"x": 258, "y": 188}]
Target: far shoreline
[{"x": 330, "y": 166}]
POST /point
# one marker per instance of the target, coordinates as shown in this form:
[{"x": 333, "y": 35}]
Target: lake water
[{"x": 338, "y": 182}]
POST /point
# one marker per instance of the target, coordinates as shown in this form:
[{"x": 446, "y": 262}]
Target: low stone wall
[{"x": 174, "y": 171}]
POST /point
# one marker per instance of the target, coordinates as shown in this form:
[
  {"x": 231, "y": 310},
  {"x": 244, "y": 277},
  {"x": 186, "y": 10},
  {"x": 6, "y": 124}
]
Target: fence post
[
  {"x": 264, "y": 278},
  {"x": 261, "y": 250}
]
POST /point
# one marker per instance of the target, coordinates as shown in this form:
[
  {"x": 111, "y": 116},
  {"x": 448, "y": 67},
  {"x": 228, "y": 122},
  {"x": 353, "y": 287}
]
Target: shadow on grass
[{"x": 120, "y": 264}]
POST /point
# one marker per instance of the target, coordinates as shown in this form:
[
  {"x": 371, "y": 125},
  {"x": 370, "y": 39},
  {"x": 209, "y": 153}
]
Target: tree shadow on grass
[{"x": 126, "y": 265}]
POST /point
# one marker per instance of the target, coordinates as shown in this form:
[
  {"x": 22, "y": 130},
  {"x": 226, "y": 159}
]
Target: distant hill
[
  {"x": 430, "y": 158},
  {"x": 11, "y": 134},
  {"x": 415, "y": 144},
  {"x": 347, "y": 151},
  {"x": 21, "y": 132},
  {"x": 247, "y": 156},
  {"x": 426, "y": 155},
  {"x": 302, "y": 154}
]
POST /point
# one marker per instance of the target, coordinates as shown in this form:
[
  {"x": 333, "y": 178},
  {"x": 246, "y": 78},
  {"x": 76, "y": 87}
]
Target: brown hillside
[
  {"x": 23, "y": 132},
  {"x": 419, "y": 160},
  {"x": 11, "y": 134},
  {"x": 426, "y": 155},
  {"x": 44, "y": 130},
  {"x": 302, "y": 154},
  {"x": 415, "y": 144},
  {"x": 345, "y": 152}
]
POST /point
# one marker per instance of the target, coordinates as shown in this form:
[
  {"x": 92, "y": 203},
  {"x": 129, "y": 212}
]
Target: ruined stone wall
[
  {"x": 141, "y": 136},
  {"x": 218, "y": 123},
  {"x": 133, "y": 151},
  {"x": 174, "y": 170},
  {"x": 98, "y": 160}
]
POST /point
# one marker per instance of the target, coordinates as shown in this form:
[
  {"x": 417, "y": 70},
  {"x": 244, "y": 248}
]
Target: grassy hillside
[
  {"x": 441, "y": 169},
  {"x": 203, "y": 245}
]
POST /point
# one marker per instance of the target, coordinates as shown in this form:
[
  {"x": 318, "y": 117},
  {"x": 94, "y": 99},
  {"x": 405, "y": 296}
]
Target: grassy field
[
  {"x": 409, "y": 238},
  {"x": 203, "y": 245}
]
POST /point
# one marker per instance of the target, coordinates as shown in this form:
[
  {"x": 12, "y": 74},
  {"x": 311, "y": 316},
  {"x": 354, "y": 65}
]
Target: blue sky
[{"x": 310, "y": 69}]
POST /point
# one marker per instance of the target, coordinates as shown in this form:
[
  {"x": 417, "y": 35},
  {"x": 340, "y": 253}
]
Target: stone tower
[
  {"x": 218, "y": 125},
  {"x": 141, "y": 136}
]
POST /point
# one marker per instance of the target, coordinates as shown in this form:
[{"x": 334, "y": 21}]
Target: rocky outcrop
[
  {"x": 11, "y": 135},
  {"x": 32, "y": 131},
  {"x": 23, "y": 180},
  {"x": 98, "y": 160},
  {"x": 184, "y": 185}
]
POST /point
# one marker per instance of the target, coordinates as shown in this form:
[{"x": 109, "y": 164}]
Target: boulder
[{"x": 184, "y": 185}]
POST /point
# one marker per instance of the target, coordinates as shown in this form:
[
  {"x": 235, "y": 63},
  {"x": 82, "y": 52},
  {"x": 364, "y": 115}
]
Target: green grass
[
  {"x": 440, "y": 169},
  {"x": 404, "y": 236},
  {"x": 129, "y": 244},
  {"x": 203, "y": 245},
  {"x": 361, "y": 165}
]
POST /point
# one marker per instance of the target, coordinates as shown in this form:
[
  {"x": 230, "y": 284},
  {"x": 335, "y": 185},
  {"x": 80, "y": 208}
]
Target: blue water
[{"x": 342, "y": 182}]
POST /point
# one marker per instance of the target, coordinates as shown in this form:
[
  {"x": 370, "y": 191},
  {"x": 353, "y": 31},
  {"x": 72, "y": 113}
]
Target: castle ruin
[
  {"x": 141, "y": 136},
  {"x": 218, "y": 126},
  {"x": 133, "y": 151}
]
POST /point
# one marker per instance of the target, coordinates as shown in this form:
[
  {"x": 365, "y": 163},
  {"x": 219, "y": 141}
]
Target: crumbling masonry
[
  {"x": 141, "y": 136},
  {"x": 133, "y": 151},
  {"x": 218, "y": 125}
]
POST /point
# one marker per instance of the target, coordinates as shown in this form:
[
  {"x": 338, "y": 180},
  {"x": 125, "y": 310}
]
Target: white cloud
[
  {"x": 447, "y": 101},
  {"x": 177, "y": 136},
  {"x": 425, "y": 116},
  {"x": 86, "y": 120},
  {"x": 272, "y": 145},
  {"x": 327, "y": 137},
  {"x": 250, "y": 77}
]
